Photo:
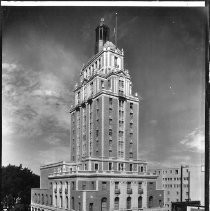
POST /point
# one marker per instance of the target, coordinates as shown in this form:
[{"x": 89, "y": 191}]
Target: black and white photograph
[{"x": 103, "y": 108}]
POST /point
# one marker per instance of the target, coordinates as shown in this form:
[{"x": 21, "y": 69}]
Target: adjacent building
[
  {"x": 175, "y": 182},
  {"x": 104, "y": 172}
]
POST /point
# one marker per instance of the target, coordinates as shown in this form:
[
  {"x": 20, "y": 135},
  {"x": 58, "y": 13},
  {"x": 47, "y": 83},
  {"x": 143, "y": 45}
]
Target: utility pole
[
  {"x": 181, "y": 183},
  {"x": 188, "y": 185}
]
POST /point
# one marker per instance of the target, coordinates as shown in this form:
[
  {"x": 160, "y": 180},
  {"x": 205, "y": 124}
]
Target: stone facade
[{"x": 104, "y": 172}]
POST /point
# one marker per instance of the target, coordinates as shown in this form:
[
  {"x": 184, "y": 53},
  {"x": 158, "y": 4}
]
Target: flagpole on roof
[{"x": 116, "y": 29}]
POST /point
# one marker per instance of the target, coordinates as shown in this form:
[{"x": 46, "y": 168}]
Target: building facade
[
  {"x": 104, "y": 172},
  {"x": 174, "y": 181}
]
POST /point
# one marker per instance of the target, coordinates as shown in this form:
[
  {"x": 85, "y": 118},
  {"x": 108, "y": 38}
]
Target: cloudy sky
[{"x": 43, "y": 50}]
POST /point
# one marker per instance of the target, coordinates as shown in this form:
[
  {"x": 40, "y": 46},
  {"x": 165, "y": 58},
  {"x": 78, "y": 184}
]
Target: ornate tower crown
[{"x": 102, "y": 35}]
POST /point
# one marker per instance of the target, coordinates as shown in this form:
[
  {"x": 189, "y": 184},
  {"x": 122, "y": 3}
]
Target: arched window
[
  {"x": 129, "y": 202},
  {"x": 160, "y": 203},
  {"x": 42, "y": 198},
  {"x": 72, "y": 203},
  {"x": 150, "y": 201},
  {"x": 56, "y": 202},
  {"x": 38, "y": 198},
  {"x": 35, "y": 198},
  {"x": 140, "y": 202},
  {"x": 104, "y": 204},
  {"x": 50, "y": 199},
  {"x": 91, "y": 207},
  {"x": 116, "y": 203},
  {"x": 61, "y": 201},
  {"x": 46, "y": 199},
  {"x": 67, "y": 202}
]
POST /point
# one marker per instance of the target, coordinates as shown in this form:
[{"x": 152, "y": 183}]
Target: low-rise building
[{"x": 175, "y": 182}]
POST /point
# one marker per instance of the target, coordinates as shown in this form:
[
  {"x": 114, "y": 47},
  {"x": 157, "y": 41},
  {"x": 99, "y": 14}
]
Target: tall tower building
[
  {"x": 104, "y": 172},
  {"x": 104, "y": 118}
]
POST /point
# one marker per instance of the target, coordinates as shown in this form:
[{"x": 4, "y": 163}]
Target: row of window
[
  {"x": 176, "y": 171},
  {"x": 175, "y": 178},
  {"x": 175, "y": 185},
  {"x": 43, "y": 200}
]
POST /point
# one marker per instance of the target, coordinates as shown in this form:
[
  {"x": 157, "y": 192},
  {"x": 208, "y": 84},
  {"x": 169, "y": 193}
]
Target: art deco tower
[{"x": 104, "y": 119}]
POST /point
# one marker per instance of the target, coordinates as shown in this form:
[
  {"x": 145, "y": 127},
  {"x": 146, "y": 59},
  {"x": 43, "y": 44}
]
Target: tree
[{"x": 17, "y": 182}]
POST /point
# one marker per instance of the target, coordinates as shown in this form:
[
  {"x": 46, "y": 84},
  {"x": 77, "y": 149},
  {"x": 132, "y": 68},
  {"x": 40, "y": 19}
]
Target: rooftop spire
[{"x": 102, "y": 35}]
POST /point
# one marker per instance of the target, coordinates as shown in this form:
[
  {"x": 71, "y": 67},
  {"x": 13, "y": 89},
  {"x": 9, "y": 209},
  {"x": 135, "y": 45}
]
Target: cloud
[
  {"x": 195, "y": 140},
  {"x": 28, "y": 95},
  {"x": 51, "y": 156}
]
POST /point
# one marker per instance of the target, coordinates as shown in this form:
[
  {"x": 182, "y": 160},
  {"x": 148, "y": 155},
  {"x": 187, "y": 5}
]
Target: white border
[{"x": 107, "y": 3}]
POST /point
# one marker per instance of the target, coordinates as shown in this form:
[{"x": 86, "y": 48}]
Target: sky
[{"x": 44, "y": 49}]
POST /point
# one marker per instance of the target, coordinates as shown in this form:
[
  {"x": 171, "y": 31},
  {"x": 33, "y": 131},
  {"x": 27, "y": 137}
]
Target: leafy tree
[{"x": 17, "y": 183}]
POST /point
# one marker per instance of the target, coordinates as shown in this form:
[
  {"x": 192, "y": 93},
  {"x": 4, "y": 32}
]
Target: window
[
  {"x": 168, "y": 192},
  {"x": 160, "y": 203},
  {"x": 140, "y": 185},
  {"x": 102, "y": 84},
  {"x": 131, "y": 105},
  {"x": 91, "y": 207},
  {"x": 121, "y": 83},
  {"x": 129, "y": 203},
  {"x": 131, "y": 125},
  {"x": 110, "y": 121},
  {"x": 99, "y": 63},
  {"x": 61, "y": 201},
  {"x": 96, "y": 166},
  {"x": 142, "y": 169},
  {"x": 104, "y": 185},
  {"x": 177, "y": 193},
  {"x": 67, "y": 202},
  {"x": 128, "y": 185},
  {"x": 97, "y": 133},
  {"x": 150, "y": 201},
  {"x": 104, "y": 204},
  {"x": 110, "y": 132},
  {"x": 110, "y": 101},
  {"x": 46, "y": 199},
  {"x": 50, "y": 199},
  {"x": 110, "y": 111},
  {"x": 83, "y": 185},
  {"x": 91, "y": 88},
  {"x": 73, "y": 186},
  {"x": 140, "y": 202},
  {"x": 115, "y": 61},
  {"x": 120, "y": 166},
  {"x": 79, "y": 206},
  {"x": 176, "y": 171},
  {"x": 116, "y": 185},
  {"x": 56, "y": 202},
  {"x": 121, "y": 103},
  {"x": 116, "y": 203},
  {"x": 110, "y": 166},
  {"x": 109, "y": 84},
  {"x": 131, "y": 154},
  {"x": 110, "y": 152},
  {"x": 110, "y": 143},
  {"x": 131, "y": 167},
  {"x": 92, "y": 185}
]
